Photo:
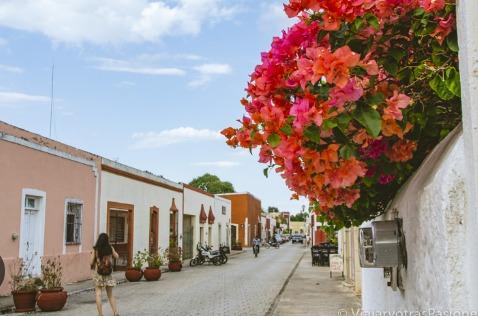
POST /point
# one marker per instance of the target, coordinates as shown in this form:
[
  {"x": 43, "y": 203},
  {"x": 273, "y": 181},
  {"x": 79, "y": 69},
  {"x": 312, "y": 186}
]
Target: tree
[
  {"x": 212, "y": 184},
  {"x": 299, "y": 217},
  {"x": 272, "y": 209}
]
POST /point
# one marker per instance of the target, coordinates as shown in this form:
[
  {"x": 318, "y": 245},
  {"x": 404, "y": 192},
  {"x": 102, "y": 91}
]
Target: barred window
[{"x": 73, "y": 223}]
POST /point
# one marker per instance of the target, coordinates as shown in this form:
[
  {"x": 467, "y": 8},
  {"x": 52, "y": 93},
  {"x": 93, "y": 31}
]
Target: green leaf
[
  {"x": 286, "y": 129},
  {"x": 452, "y": 42},
  {"x": 376, "y": 99},
  {"x": 312, "y": 132},
  {"x": 373, "y": 21},
  {"x": 397, "y": 53},
  {"x": 328, "y": 124},
  {"x": 347, "y": 151},
  {"x": 439, "y": 86},
  {"x": 391, "y": 66},
  {"x": 273, "y": 140},
  {"x": 453, "y": 81},
  {"x": 343, "y": 120},
  {"x": 266, "y": 172},
  {"x": 370, "y": 119}
]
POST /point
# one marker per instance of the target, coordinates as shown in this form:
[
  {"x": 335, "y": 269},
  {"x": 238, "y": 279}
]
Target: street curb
[
  {"x": 10, "y": 308},
  {"x": 273, "y": 306}
]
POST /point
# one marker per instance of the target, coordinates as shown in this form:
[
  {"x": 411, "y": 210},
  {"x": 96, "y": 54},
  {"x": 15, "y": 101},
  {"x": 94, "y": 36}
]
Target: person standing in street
[{"x": 102, "y": 264}]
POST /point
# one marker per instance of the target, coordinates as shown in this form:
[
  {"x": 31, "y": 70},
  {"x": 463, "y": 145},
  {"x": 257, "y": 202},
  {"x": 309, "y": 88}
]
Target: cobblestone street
[{"x": 244, "y": 286}]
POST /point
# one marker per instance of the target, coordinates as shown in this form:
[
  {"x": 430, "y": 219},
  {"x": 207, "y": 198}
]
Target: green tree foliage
[
  {"x": 212, "y": 184},
  {"x": 298, "y": 217},
  {"x": 272, "y": 209}
]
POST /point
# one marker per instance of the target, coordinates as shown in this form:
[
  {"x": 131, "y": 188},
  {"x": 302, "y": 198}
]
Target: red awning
[
  {"x": 202, "y": 215},
  {"x": 210, "y": 216}
]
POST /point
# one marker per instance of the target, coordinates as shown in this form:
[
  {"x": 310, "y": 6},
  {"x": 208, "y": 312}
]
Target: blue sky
[{"x": 147, "y": 83}]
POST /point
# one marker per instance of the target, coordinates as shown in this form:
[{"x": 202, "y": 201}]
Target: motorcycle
[
  {"x": 274, "y": 244},
  {"x": 205, "y": 255},
  {"x": 255, "y": 249}
]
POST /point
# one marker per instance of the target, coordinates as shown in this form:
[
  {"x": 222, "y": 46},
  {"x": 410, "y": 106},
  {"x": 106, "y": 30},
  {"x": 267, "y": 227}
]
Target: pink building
[{"x": 49, "y": 195}]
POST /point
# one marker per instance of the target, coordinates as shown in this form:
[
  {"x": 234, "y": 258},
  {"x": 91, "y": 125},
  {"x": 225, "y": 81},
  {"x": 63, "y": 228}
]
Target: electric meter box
[{"x": 381, "y": 245}]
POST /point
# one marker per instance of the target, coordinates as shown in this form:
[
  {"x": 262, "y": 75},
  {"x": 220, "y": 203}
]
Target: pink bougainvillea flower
[
  {"x": 444, "y": 27},
  {"x": 432, "y": 5},
  {"x": 395, "y": 104},
  {"x": 300, "y": 111},
  {"x": 339, "y": 96},
  {"x": 385, "y": 179},
  {"x": 376, "y": 149}
]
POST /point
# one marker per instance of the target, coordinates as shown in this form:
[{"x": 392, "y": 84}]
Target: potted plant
[
  {"x": 174, "y": 255},
  {"x": 153, "y": 270},
  {"x": 24, "y": 287},
  {"x": 51, "y": 297},
  {"x": 135, "y": 272}
]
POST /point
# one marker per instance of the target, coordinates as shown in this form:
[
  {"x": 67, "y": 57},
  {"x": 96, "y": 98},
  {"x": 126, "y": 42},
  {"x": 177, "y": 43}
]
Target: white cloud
[
  {"x": 150, "y": 140},
  {"x": 8, "y": 68},
  {"x": 213, "y": 69},
  {"x": 273, "y": 19},
  {"x": 117, "y": 65},
  {"x": 218, "y": 164},
  {"x": 207, "y": 71},
  {"x": 13, "y": 98},
  {"x": 112, "y": 21}
]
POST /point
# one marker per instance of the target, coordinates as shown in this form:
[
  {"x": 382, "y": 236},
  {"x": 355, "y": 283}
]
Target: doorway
[
  {"x": 120, "y": 229},
  {"x": 233, "y": 235},
  {"x": 209, "y": 236},
  {"x": 188, "y": 236},
  {"x": 32, "y": 229},
  {"x": 201, "y": 235},
  {"x": 153, "y": 230}
]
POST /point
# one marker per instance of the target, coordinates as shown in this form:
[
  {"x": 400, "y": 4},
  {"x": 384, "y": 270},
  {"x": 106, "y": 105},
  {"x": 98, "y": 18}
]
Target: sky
[{"x": 147, "y": 83}]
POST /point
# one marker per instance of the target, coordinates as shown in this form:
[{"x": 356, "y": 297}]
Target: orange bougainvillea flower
[
  {"x": 402, "y": 150},
  {"x": 390, "y": 127}
]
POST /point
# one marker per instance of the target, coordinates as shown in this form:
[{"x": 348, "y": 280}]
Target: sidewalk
[
  {"x": 6, "y": 302},
  {"x": 311, "y": 291}
]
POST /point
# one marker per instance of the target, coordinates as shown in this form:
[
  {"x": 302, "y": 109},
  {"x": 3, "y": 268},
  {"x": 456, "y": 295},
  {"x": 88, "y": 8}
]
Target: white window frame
[{"x": 80, "y": 241}]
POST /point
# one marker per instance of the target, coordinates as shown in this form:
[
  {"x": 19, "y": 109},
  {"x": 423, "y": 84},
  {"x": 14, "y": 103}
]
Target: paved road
[{"x": 244, "y": 286}]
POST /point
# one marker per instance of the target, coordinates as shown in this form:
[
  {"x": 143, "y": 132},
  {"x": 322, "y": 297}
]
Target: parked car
[{"x": 297, "y": 238}]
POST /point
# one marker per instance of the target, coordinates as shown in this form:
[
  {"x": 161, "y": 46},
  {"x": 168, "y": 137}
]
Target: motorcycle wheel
[
  {"x": 201, "y": 261},
  {"x": 267, "y": 246},
  {"x": 224, "y": 259},
  {"x": 216, "y": 261},
  {"x": 193, "y": 262}
]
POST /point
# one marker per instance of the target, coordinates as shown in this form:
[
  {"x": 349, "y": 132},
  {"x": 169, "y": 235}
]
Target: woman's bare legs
[
  {"x": 111, "y": 298},
  {"x": 98, "y": 301}
]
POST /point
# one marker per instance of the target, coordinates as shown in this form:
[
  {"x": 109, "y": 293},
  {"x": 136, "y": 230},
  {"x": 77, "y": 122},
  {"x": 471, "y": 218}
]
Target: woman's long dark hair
[{"x": 103, "y": 246}]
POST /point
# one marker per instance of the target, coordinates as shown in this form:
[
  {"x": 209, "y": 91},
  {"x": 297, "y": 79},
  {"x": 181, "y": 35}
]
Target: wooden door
[{"x": 153, "y": 230}]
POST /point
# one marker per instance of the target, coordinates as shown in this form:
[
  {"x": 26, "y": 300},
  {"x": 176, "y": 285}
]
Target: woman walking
[{"x": 102, "y": 264}]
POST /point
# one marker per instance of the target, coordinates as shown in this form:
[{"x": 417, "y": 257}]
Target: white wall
[
  {"x": 224, "y": 220},
  {"x": 432, "y": 206},
  {"x": 143, "y": 196}
]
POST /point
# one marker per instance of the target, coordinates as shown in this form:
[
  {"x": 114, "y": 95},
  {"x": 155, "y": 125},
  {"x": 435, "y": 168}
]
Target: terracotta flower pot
[
  {"x": 51, "y": 300},
  {"x": 24, "y": 301},
  {"x": 152, "y": 274},
  {"x": 133, "y": 275},
  {"x": 175, "y": 266}
]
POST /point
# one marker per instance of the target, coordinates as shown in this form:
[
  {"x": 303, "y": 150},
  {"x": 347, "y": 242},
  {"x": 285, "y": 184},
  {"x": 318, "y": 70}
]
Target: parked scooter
[
  {"x": 205, "y": 255},
  {"x": 222, "y": 252}
]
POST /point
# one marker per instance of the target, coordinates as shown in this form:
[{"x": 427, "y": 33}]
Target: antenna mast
[{"x": 51, "y": 101}]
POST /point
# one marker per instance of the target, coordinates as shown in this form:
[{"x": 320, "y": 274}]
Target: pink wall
[{"x": 61, "y": 179}]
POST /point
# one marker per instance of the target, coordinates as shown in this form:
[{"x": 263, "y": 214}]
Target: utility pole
[{"x": 51, "y": 98}]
